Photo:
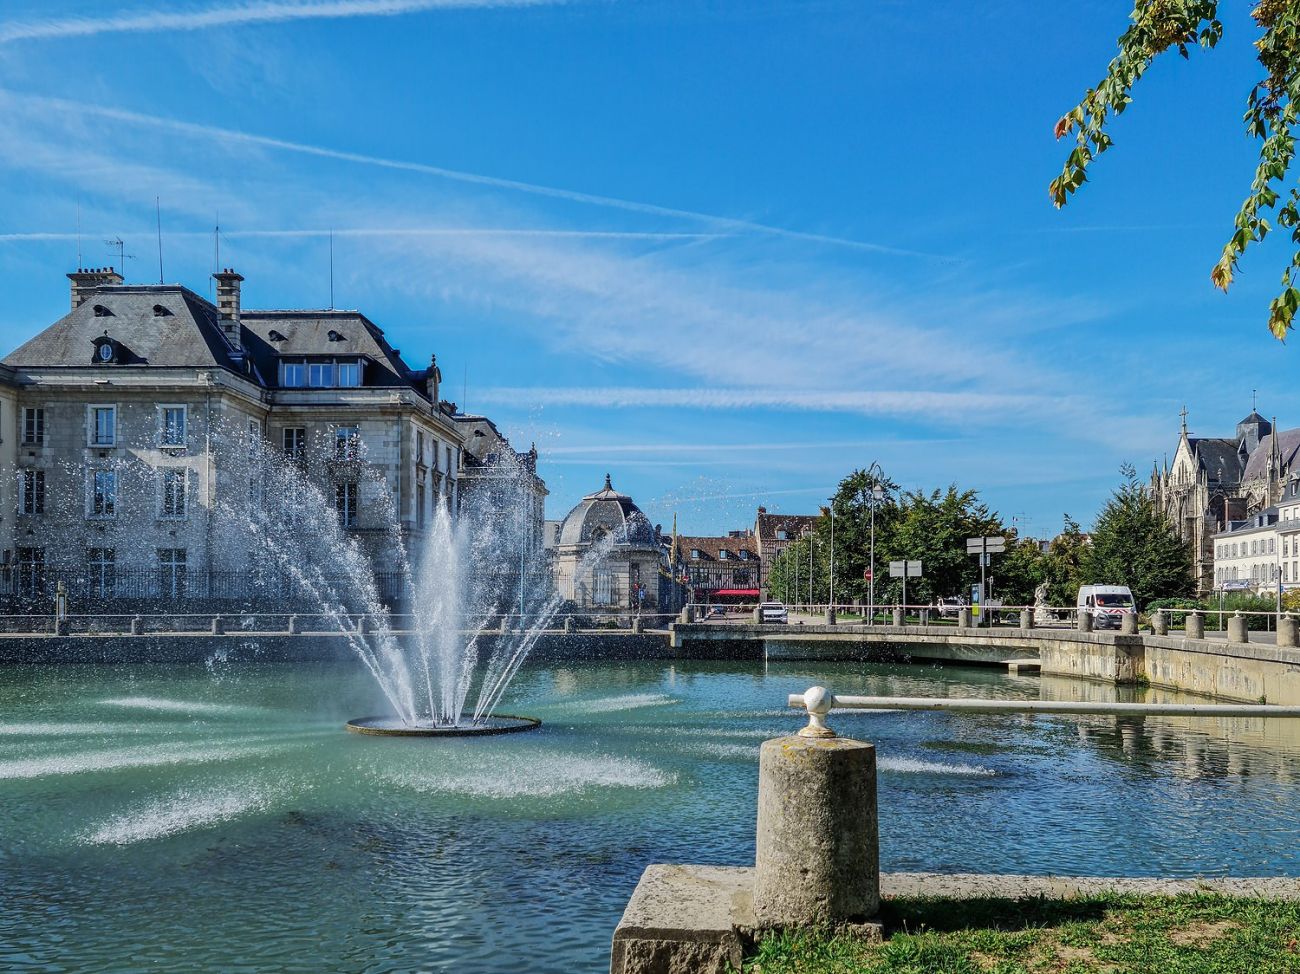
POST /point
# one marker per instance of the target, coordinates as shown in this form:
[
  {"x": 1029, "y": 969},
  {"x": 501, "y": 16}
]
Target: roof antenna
[
  {"x": 331, "y": 268},
  {"x": 157, "y": 212},
  {"x": 216, "y": 250},
  {"x": 122, "y": 255}
]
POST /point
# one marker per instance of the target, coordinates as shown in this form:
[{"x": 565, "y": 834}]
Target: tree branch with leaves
[{"x": 1157, "y": 26}]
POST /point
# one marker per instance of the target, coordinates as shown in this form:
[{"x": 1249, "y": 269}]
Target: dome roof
[{"x": 607, "y": 511}]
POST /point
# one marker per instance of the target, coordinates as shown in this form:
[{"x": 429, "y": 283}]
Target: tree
[
  {"x": 1134, "y": 545},
  {"x": 1021, "y": 570},
  {"x": 1160, "y": 25},
  {"x": 1063, "y": 564},
  {"x": 933, "y": 527}
]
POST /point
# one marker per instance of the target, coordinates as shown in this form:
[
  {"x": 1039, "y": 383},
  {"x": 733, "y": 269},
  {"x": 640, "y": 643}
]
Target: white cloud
[{"x": 235, "y": 15}]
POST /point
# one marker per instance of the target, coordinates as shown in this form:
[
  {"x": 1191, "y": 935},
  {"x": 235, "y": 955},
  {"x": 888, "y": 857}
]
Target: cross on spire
[{"x": 1183, "y": 414}]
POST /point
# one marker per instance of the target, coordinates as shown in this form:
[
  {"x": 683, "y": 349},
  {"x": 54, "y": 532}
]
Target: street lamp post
[
  {"x": 877, "y": 494},
  {"x": 832, "y": 593}
]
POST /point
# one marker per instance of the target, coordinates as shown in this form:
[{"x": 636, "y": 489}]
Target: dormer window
[
  {"x": 102, "y": 312},
  {"x": 695, "y": 553},
  {"x": 105, "y": 351},
  {"x": 160, "y": 311},
  {"x": 335, "y": 336},
  {"x": 724, "y": 554},
  {"x": 275, "y": 336}
]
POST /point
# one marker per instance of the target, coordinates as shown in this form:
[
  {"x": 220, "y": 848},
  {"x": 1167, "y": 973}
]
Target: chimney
[
  {"x": 433, "y": 377},
  {"x": 228, "y": 306},
  {"x": 86, "y": 280}
]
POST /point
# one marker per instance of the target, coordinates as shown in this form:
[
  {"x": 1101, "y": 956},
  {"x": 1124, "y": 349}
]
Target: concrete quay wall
[{"x": 1246, "y": 672}]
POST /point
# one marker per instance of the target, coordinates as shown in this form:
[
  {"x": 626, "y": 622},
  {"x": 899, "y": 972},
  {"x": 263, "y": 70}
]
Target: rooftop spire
[{"x": 608, "y": 485}]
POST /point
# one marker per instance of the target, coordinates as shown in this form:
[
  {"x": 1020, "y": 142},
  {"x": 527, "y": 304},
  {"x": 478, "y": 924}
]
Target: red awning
[{"x": 736, "y": 591}]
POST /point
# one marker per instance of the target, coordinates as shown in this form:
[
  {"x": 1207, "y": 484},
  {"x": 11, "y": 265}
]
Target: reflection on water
[{"x": 208, "y": 819}]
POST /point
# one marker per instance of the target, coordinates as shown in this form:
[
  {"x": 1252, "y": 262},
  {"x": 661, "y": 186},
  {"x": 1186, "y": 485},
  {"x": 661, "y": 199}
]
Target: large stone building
[
  {"x": 607, "y": 554},
  {"x": 1262, "y": 551},
  {"x": 1213, "y": 481},
  {"x": 126, "y": 430}
]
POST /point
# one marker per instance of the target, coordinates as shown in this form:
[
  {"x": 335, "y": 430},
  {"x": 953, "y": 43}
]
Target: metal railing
[{"x": 818, "y": 702}]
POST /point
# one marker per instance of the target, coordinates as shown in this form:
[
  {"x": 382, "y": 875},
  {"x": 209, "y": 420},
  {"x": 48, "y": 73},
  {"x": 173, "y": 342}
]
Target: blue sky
[{"x": 726, "y": 251}]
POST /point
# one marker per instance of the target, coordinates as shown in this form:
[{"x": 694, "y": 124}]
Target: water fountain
[{"x": 444, "y": 665}]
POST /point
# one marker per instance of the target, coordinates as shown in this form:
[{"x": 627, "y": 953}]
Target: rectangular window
[
  {"x": 171, "y": 572},
  {"x": 419, "y": 446},
  {"x": 101, "y": 567},
  {"x": 172, "y": 431},
  {"x": 347, "y": 442},
  {"x": 448, "y": 460},
  {"x": 103, "y": 426},
  {"x": 604, "y": 587},
  {"x": 349, "y": 374},
  {"x": 321, "y": 375},
  {"x": 33, "y": 490},
  {"x": 103, "y": 493},
  {"x": 421, "y": 499},
  {"x": 293, "y": 374},
  {"x": 33, "y": 426},
  {"x": 294, "y": 439},
  {"x": 173, "y": 491},
  {"x": 31, "y": 571},
  {"x": 345, "y": 500}
]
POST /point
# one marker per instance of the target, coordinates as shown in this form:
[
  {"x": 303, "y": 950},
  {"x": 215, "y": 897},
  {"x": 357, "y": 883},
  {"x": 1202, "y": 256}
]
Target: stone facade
[
  {"x": 606, "y": 554},
  {"x": 1213, "y": 481},
  {"x": 1256, "y": 553},
  {"x": 127, "y": 427}
]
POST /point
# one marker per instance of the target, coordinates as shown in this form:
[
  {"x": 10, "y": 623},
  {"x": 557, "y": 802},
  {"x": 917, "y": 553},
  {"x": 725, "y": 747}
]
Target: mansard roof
[
  {"x": 710, "y": 547},
  {"x": 341, "y": 334},
  {"x": 793, "y": 524},
  {"x": 184, "y": 333}
]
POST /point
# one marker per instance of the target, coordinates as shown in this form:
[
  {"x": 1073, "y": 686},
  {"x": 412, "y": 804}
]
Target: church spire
[{"x": 1183, "y": 414}]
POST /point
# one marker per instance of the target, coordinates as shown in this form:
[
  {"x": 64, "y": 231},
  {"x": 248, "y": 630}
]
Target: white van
[
  {"x": 1107, "y": 604},
  {"x": 773, "y": 612}
]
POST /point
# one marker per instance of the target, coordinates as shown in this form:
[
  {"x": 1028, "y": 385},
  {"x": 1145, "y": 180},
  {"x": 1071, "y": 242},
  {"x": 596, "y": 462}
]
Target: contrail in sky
[
  {"x": 205, "y": 18},
  {"x": 235, "y": 137}
]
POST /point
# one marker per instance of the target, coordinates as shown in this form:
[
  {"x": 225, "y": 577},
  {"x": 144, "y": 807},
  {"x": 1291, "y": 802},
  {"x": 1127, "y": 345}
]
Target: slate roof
[
  {"x": 1218, "y": 457},
  {"x": 307, "y": 333},
  {"x": 1288, "y": 445},
  {"x": 186, "y": 336},
  {"x": 189, "y": 335},
  {"x": 607, "y": 507}
]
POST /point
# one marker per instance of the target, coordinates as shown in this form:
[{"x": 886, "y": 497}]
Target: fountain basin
[{"x": 395, "y": 727}]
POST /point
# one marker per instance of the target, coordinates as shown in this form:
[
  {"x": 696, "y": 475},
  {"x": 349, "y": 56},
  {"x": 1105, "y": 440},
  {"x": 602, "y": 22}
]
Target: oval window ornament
[{"x": 106, "y": 352}]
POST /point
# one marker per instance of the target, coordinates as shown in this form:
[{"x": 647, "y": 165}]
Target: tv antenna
[
  {"x": 157, "y": 212},
  {"x": 122, "y": 255}
]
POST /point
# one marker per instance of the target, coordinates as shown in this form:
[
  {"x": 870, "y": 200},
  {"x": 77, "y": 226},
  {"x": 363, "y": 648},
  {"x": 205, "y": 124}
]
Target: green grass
[{"x": 1203, "y": 934}]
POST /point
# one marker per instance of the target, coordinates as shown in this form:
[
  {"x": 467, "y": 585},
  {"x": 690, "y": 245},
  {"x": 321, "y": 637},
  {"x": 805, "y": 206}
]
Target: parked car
[
  {"x": 1107, "y": 604},
  {"x": 773, "y": 612},
  {"x": 717, "y": 612}
]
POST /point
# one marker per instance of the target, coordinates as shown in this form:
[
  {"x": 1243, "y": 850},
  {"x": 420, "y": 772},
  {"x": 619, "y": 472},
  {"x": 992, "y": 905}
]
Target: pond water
[{"x": 218, "y": 818}]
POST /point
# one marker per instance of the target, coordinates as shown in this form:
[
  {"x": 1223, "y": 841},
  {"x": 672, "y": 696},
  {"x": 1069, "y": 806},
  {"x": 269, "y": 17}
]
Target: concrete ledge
[
  {"x": 699, "y": 919},
  {"x": 683, "y": 920}
]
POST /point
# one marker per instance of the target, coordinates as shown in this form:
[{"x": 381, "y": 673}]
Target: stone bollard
[
  {"x": 817, "y": 859},
  {"x": 294, "y": 626},
  {"x": 1288, "y": 633},
  {"x": 925, "y": 617},
  {"x": 137, "y": 626},
  {"x": 218, "y": 626},
  {"x": 688, "y": 613},
  {"x": 570, "y": 626},
  {"x": 363, "y": 625},
  {"x": 636, "y": 624},
  {"x": 1195, "y": 625},
  {"x": 1026, "y": 619},
  {"x": 503, "y": 624},
  {"x": 898, "y": 615},
  {"x": 830, "y": 615},
  {"x": 758, "y": 615},
  {"x": 1128, "y": 624},
  {"x": 963, "y": 617},
  {"x": 62, "y": 627},
  {"x": 1160, "y": 623},
  {"x": 1085, "y": 622},
  {"x": 1237, "y": 631}
]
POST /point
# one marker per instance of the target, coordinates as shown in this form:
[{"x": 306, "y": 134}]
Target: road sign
[
  {"x": 912, "y": 569},
  {"x": 866, "y": 574},
  {"x": 896, "y": 568},
  {"x": 990, "y": 545}
]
